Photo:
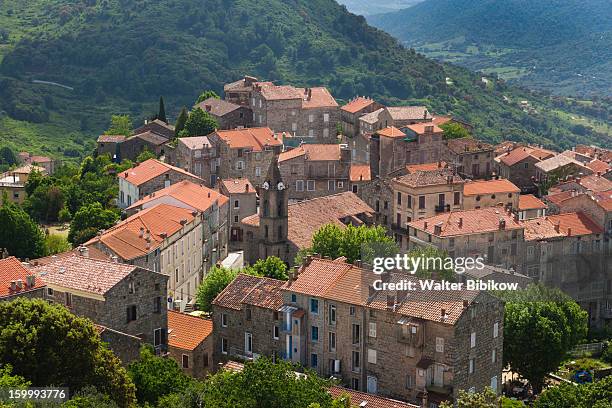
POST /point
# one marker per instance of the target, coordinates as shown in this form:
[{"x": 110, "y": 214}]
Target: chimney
[
  {"x": 84, "y": 251},
  {"x": 183, "y": 221},
  {"x": 502, "y": 224},
  {"x": 425, "y": 226},
  {"x": 438, "y": 228},
  {"x": 115, "y": 259},
  {"x": 19, "y": 283},
  {"x": 30, "y": 281},
  {"x": 390, "y": 302},
  {"x": 460, "y": 222},
  {"x": 569, "y": 232},
  {"x": 247, "y": 187},
  {"x": 163, "y": 235},
  {"x": 557, "y": 226},
  {"x": 443, "y": 314},
  {"x": 466, "y": 303},
  {"x": 425, "y": 114},
  {"x": 148, "y": 235},
  {"x": 13, "y": 286},
  {"x": 141, "y": 234},
  {"x": 309, "y": 93}
]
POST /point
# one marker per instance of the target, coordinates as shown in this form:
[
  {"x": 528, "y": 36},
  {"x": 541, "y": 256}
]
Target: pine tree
[
  {"x": 162, "y": 110},
  {"x": 180, "y": 121}
]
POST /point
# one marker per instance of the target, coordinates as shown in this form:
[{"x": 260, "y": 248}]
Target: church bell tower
[{"x": 273, "y": 218}]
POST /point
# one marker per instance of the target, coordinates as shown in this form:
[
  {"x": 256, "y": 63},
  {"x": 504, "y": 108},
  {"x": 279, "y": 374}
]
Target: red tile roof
[
  {"x": 489, "y": 187},
  {"x": 357, "y": 104},
  {"x": 558, "y": 197},
  {"x": 391, "y": 131},
  {"x": 184, "y": 193},
  {"x": 195, "y": 142},
  {"x": 187, "y": 332},
  {"x": 540, "y": 228},
  {"x": 411, "y": 168},
  {"x": 313, "y": 152},
  {"x": 150, "y": 169},
  {"x": 598, "y": 166},
  {"x": 320, "y": 98},
  {"x": 468, "y": 222},
  {"x": 594, "y": 182},
  {"x": 556, "y": 162},
  {"x": 11, "y": 269},
  {"x": 251, "y": 138},
  {"x": 420, "y": 128},
  {"x": 251, "y": 290},
  {"x": 440, "y": 120},
  {"x": 408, "y": 112},
  {"x": 360, "y": 172},
  {"x": 521, "y": 153},
  {"x": 371, "y": 401},
  {"x": 530, "y": 202},
  {"x": 238, "y": 186},
  {"x": 125, "y": 239},
  {"x": 216, "y": 106},
  {"x": 468, "y": 145},
  {"x": 574, "y": 224}
]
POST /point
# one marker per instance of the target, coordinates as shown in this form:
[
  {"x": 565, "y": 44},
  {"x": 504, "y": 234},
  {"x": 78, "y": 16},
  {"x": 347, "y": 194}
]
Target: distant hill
[
  {"x": 119, "y": 56},
  {"x": 368, "y": 7},
  {"x": 562, "y": 46}
]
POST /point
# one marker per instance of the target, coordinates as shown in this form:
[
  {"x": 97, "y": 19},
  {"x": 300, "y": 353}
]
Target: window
[
  {"x": 294, "y": 126},
  {"x": 513, "y": 249},
  {"x": 275, "y": 332},
  {"x": 494, "y": 383},
  {"x": 471, "y": 366},
  {"x": 473, "y": 340},
  {"x": 332, "y": 341},
  {"x": 457, "y": 198},
  {"x": 223, "y": 319},
  {"x": 224, "y": 345},
  {"x": 299, "y": 185},
  {"x": 131, "y": 313},
  {"x": 311, "y": 118},
  {"x": 205, "y": 359},
  {"x": 314, "y": 360},
  {"x": 236, "y": 204},
  {"x": 236, "y": 218},
  {"x": 185, "y": 361},
  {"x": 340, "y": 184},
  {"x": 239, "y": 165},
  {"x": 356, "y": 333},
  {"x": 409, "y": 382},
  {"x": 49, "y": 292},
  {"x": 332, "y": 314},
  {"x": 399, "y": 198},
  {"x": 439, "y": 344},
  {"x": 131, "y": 287},
  {"x": 248, "y": 342},
  {"x": 326, "y": 132},
  {"x": 326, "y": 117},
  {"x": 372, "y": 331},
  {"x": 293, "y": 298},
  {"x": 494, "y": 355},
  {"x": 310, "y": 185},
  {"x": 355, "y": 361},
  {"x": 421, "y": 202},
  {"x": 314, "y": 306},
  {"x": 310, "y": 133},
  {"x": 495, "y": 330},
  {"x": 248, "y": 313},
  {"x": 331, "y": 185},
  {"x": 409, "y": 201},
  {"x": 158, "y": 335},
  {"x": 371, "y": 356},
  {"x": 314, "y": 333},
  {"x": 257, "y": 171},
  {"x": 157, "y": 304},
  {"x": 352, "y": 310}
]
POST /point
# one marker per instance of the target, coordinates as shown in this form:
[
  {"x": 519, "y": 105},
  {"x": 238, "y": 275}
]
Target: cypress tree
[
  {"x": 162, "y": 110},
  {"x": 180, "y": 121}
]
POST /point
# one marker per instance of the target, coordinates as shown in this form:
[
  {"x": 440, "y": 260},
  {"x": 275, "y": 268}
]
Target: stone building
[
  {"x": 125, "y": 346},
  {"x": 353, "y": 110},
  {"x": 359, "y": 176},
  {"x": 559, "y": 167},
  {"x": 156, "y": 126},
  {"x": 16, "y": 280},
  {"x": 403, "y": 116},
  {"x": 244, "y": 153},
  {"x": 126, "y": 298},
  {"x": 213, "y": 211},
  {"x": 197, "y": 156},
  {"x": 111, "y": 146},
  {"x": 491, "y": 233},
  {"x": 243, "y": 203},
  {"x": 530, "y": 207},
  {"x": 163, "y": 238},
  {"x": 134, "y": 145},
  {"x": 190, "y": 343},
  {"x": 315, "y": 170},
  {"x": 328, "y": 318},
  {"x": 228, "y": 115},
  {"x": 239, "y": 92},
  {"x": 597, "y": 206},
  {"x": 490, "y": 193},
  {"x": 378, "y": 195},
  {"x": 472, "y": 158},
  {"x": 309, "y": 112},
  {"x": 13, "y": 182},
  {"x": 518, "y": 165},
  {"x": 47, "y": 163},
  {"x": 148, "y": 177},
  {"x": 423, "y": 194}
]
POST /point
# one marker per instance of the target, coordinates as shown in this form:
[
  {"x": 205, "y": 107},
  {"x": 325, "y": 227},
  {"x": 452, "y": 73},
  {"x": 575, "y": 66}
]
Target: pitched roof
[
  {"x": 254, "y": 138},
  {"x": 371, "y": 401},
  {"x": 251, "y": 290},
  {"x": 217, "y": 107},
  {"x": 11, "y": 269},
  {"x": 598, "y": 166},
  {"x": 573, "y": 224},
  {"x": 440, "y": 120},
  {"x": 489, "y": 187},
  {"x": 522, "y": 152},
  {"x": 158, "y": 127},
  {"x": 313, "y": 152},
  {"x": 187, "y": 193},
  {"x": 84, "y": 274},
  {"x": 111, "y": 138},
  {"x": 557, "y": 198},
  {"x": 195, "y": 142},
  {"x": 411, "y": 168},
  {"x": 150, "y": 169},
  {"x": 429, "y": 178},
  {"x": 540, "y": 228},
  {"x": 530, "y": 202},
  {"x": 391, "y": 131},
  {"x": 421, "y": 128},
  {"x": 408, "y": 112},
  {"x": 360, "y": 172},
  {"x": 357, "y": 104},
  {"x": 468, "y": 144},
  {"x": 187, "y": 332},
  {"x": 238, "y": 186},
  {"x": 27, "y": 169},
  {"x": 467, "y": 222},
  {"x": 307, "y": 217},
  {"x": 319, "y": 98},
  {"x": 556, "y": 162},
  {"x": 151, "y": 137},
  {"x": 372, "y": 117},
  {"x": 125, "y": 239},
  {"x": 273, "y": 92},
  {"x": 595, "y": 182}
]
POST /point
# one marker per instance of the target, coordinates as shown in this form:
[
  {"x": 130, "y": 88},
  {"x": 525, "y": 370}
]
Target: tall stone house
[
  {"x": 529, "y": 207},
  {"x": 559, "y": 167},
  {"x": 518, "y": 165},
  {"x": 403, "y": 116},
  {"x": 197, "y": 156},
  {"x": 490, "y": 193},
  {"x": 227, "y": 114},
  {"x": 328, "y": 318},
  {"x": 242, "y": 203},
  {"x": 315, "y": 170},
  {"x": 472, "y": 158},
  {"x": 190, "y": 343},
  {"x": 353, "y": 110},
  {"x": 239, "y": 92}
]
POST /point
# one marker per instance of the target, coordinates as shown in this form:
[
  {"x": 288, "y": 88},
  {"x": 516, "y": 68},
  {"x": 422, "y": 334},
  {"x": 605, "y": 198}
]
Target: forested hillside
[
  {"x": 563, "y": 46},
  {"x": 119, "y": 56}
]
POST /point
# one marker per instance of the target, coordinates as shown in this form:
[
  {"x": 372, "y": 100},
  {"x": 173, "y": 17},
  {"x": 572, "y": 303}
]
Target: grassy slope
[{"x": 120, "y": 56}]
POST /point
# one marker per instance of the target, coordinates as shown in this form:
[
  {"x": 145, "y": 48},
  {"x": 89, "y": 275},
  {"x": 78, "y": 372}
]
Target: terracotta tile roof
[
  {"x": 187, "y": 332},
  {"x": 357, "y": 104},
  {"x": 440, "y": 120},
  {"x": 251, "y": 290},
  {"x": 521, "y": 153},
  {"x": 530, "y": 202},
  {"x": 111, "y": 138},
  {"x": 11, "y": 269},
  {"x": 606, "y": 203},
  {"x": 254, "y": 138},
  {"x": 594, "y": 182},
  {"x": 93, "y": 253},
  {"x": 27, "y": 169},
  {"x": 238, "y": 186},
  {"x": 573, "y": 224},
  {"x": 372, "y": 401},
  {"x": 392, "y": 132},
  {"x": 420, "y": 128},
  {"x": 307, "y": 217},
  {"x": 558, "y": 197},
  {"x": 598, "y": 166},
  {"x": 489, "y": 187},
  {"x": 318, "y": 277},
  {"x": 429, "y": 178},
  {"x": 233, "y": 366},
  {"x": 313, "y": 152},
  {"x": 360, "y": 172},
  {"x": 124, "y": 239},
  {"x": 556, "y": 162},
  {"x": 41, "y": 159},
  {"x": 320, "y": 98},
  {"x": 468, "y": 222},
  {"x": 540, "y": 228},
  {"x": 469, "y": 145},
  {"x": 185, "y": 193},
  {"x": 372, "y": 117},
  {"x": 411, "y": 168},
  {"x": 217, "y": 107},
  {"x": 273, "y": 92},
  {"x": 408, "y": 112},
  {"x": 84, "y": 274},
  {"x": 150, "y": 169},
  {"x": 195, "y": 142}
]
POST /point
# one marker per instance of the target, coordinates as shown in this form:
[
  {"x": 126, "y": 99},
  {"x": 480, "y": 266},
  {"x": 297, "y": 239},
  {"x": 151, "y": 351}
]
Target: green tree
[
  {"x": 120, "y": 125},
  {"x": 88, "y": 220},
  {"x": 540, "y": 326},
  {"x": 161, "y": 115},
  {"x": 453, "y": 130},
  {"x": 155, "y": 376},
  {"x": 90, "y": 397},
  {"x": 199, "y": 123},
  {"x": 354, "y": 243},
  {"x": 145, "y": 155},
  {"x": 19, "y": 233},
  {"x": 434, "y": 264},
  {"x": 7, "y": 157},
  {"x": 216, "y": 280},
  {"x": 594, "y": 395},
  {"x": 271, "y": 267},
  {"x": 484, "y": 399},
  {"x": 47, "y": 345},
  {"x": 56, "y": 244},
  {"x": 180, "y": 121},
  {"x": 207, "y": 94},
  {"x": 64, "y": 215}
]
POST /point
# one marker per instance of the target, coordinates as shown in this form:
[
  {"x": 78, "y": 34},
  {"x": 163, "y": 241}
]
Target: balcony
[
  {"x": 440, "y": 389},
  {"x": 442, "y": 208},
  {"x": 399, "y": 228}
]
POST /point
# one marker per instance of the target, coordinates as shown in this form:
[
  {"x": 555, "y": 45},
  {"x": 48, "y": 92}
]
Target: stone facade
[
  {"x": 378, "y": 194},
  {"x": 352, "y": 111},
  {"x": 242, "y": 203},
  {"x": 227, "y": 114},
  {"x": 197, "y": 156},
  {"x": 124, "y": 346},
  {"x": 472, "y": 158}
]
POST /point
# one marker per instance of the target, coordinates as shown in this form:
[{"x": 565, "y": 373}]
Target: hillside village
[{"x": 283, "y": 163}]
